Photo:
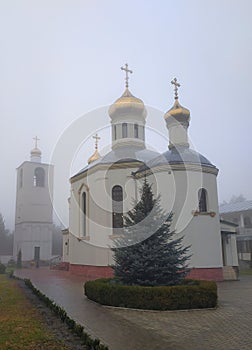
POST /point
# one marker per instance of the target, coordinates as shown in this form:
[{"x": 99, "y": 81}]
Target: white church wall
[
  {"x": 33, "y": 220},
  {"x": 34, "y": 203},
  {"x": 83, "y": 253},
  {"x": 179, "y": 194},
  {"x": 98, "y": 187},
  {"x": 31, "y": 235}
]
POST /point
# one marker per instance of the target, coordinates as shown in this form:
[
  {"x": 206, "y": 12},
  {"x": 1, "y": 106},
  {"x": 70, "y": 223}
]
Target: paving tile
[{"x": 226, "y": 328}]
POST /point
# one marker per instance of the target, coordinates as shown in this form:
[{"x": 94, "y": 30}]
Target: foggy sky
[{"x": 61, "y": 59}]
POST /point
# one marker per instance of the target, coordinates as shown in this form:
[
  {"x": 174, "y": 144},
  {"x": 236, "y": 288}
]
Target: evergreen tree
[
  {"x": 19, "y": 259},
  {"x": 147, "y": 252},
  {"x": 6, "y": 239}
]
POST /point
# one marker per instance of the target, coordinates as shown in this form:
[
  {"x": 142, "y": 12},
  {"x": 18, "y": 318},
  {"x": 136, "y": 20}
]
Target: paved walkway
[{"x": 229, "y": 327}]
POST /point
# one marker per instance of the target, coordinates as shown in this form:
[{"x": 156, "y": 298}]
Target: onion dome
[
  {"x": 127, "y": 104},
  {"x": 94, "y": 157},
  {"x": 35, "y": 152},
  {"x": 177, "y": 113},
  {"x": 96, "y": 154},
  {"x": 177, "y": 121}
]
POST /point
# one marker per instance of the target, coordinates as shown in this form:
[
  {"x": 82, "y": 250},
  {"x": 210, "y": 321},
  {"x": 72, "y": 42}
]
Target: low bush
[
  {"x": 190, "y": 295},
  {"x": 2, "y": 268}
]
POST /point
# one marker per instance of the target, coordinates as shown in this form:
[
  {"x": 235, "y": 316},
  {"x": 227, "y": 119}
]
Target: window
[
  {"x": 117, "y": 207},
  {"x": 202, "y": 195},
  {"x": 247, "y": 221},
  {"x": 84, "y": 210},
  {"x": 136, "y": 131},
  {"x": 39, "y": 177},
  {"x": 115, "y": 132},
  {"x": 21, "y": 178},
  {"x": 142, "y": 132},
  {"x": 124, "y": 130}
]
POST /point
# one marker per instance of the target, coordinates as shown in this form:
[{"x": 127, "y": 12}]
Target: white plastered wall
[
  {"x": 94, "y": 247},
  {"x": 179, "y": 194}
]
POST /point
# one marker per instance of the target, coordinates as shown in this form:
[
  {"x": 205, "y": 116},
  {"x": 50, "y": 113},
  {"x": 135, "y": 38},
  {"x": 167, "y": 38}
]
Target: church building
[
  {"x": 34, "y": 210},
  {"x": 104, "y": 190}
]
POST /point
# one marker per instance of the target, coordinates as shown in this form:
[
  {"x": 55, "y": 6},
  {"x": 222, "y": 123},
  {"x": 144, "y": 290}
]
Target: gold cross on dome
[
  {"x": 36, "y": 139},
  {"x": 97, "y": 138},
  {"x": 127, "y": 76},
  {"x": 176, "y": 86}
]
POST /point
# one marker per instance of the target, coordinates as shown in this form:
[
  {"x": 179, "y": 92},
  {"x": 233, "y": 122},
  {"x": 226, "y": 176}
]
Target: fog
[{"x": 60, "y": 63}]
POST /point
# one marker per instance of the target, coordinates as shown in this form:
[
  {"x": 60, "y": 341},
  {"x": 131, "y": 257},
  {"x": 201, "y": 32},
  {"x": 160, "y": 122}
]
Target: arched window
[
  {"x": 202, "y": 195},
  {"x": 39, "y": 177},
  {"x": 136, "y": 134},
  {"x": 117, "y": 207},
  {"x": 84, "y": 210},
  {"x": 21, "y": 178},
  {"x": 124, "y": 130}
]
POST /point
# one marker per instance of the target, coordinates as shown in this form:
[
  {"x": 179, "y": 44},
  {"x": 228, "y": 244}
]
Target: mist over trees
[
  {"x": 235, "y": 199},
  {"x": 6, "y": 239}
]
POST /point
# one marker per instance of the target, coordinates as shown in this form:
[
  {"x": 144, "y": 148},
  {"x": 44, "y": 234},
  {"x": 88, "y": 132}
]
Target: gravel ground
[{"x": 52, "y": 322}]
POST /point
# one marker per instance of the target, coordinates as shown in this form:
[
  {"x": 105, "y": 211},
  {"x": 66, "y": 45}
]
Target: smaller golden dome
[
  {"x": 94, "y": 157},
  {"x": 178, "y": 112},
  {"x": 35, "y": 152},
  {"x": 127, "y": 104},
  {"x": 96, "y": 154}
]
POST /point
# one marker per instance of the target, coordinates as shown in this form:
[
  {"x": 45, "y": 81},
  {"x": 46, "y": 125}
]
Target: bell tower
[{"x": 34, "y": 209}]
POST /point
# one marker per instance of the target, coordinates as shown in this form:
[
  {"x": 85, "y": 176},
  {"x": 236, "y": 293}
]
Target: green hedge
[{"x": 190, "y": 295}]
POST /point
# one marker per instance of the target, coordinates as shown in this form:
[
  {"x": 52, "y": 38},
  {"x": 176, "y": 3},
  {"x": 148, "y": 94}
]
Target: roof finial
[
  {"x": 36, "y": 139},
  {"x": 97, "y": 138},
  {"x": 176, "y": 86},
  {"x": 96, "y": 154},
  {"x": 127, "y": 77}
]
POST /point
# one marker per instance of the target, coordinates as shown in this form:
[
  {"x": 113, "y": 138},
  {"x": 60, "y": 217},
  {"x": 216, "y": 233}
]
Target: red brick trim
[
  {"x": 91, "y": 272},
  {"x": 209, "y": 274}
]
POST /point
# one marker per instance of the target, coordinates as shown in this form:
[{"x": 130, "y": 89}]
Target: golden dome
[
  {"x": 35, "y": 152},
  {"x": 178, "y": 112},
  {"x": 94, "y": 157},
  {"x": 127, "y": 104}
]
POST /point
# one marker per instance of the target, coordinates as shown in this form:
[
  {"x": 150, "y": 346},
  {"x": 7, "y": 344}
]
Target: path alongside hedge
[
  {"x": 21, "y": 325},
  {"x": 227, "y": 327}
]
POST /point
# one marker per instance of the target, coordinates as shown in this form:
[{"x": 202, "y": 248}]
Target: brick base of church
[
  {"x": 93, "y": 272},
  {"x": 209, "y": 274}
]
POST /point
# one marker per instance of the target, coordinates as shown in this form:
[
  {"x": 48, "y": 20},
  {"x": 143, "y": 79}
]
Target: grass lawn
[{"x": 20, "y": 325}]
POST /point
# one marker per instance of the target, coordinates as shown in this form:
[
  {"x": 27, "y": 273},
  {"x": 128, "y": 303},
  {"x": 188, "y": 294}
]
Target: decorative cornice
[
  {"x": 178, "y": 167},
  {"x": 105, "y": 166}
]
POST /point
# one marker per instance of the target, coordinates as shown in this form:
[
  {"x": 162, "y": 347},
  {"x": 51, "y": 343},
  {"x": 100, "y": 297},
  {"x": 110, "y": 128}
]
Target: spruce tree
[
  {"x": 19, "y": 259},
  {"x": 147, "y": 252}
]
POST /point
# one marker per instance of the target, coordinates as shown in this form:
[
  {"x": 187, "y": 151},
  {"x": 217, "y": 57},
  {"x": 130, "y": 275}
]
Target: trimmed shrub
[
  {"x": 2, "y": 268},
  {"x": 191, "y": 295}
]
